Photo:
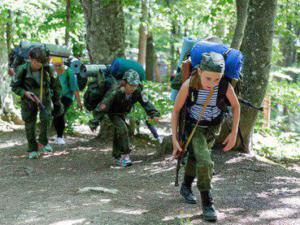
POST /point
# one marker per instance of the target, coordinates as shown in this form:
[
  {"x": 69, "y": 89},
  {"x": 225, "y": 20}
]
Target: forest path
[{"x": 45, "y": 191}]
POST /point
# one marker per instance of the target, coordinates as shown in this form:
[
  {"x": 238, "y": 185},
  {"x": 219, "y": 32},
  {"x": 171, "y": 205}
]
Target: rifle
[
  {"x": 39, "y": 103},
  {"x": 186, "y": 69}
]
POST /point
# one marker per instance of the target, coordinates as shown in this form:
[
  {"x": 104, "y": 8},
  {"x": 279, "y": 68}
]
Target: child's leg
[
  {"x": 29, "y": 115},
  {"x": 121, "y": 137},
  {"x": 204, "y": 164},
  {"x": 45, "y": 118}
]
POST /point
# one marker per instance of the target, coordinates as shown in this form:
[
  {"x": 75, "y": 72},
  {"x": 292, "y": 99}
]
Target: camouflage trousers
[
  {"x": 121, "y": 136},
  {"x": 199, "y": 162},
  {"x": 29, "y": 111}
]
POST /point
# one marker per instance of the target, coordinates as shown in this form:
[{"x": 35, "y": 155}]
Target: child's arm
[
  {"x": 179, "y": 102},
  {"x": 235, "y": 105}
]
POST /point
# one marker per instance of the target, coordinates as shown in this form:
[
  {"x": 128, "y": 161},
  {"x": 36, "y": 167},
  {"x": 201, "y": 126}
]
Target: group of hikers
[{"x": 200, "y": 97}]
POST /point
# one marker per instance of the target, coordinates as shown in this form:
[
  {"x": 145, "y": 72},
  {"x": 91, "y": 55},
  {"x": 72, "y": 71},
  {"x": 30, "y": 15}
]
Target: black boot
[
  {"x": 209, "y": 212},
  {"x": 186, "y": 190}
]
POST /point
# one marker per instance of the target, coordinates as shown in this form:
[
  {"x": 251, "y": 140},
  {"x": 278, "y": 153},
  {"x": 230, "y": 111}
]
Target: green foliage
[
  {"x": 45, "y": 21},
  {"x": 281, "y": 140},
  {"x": 75, "y": 117},
  {"x": 158, "y": 95}
]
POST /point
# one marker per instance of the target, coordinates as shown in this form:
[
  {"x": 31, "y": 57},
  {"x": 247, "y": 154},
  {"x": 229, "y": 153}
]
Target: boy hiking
[
  {"x": 35, "y": 83},
  {"x": 117, "y": 103},
  {"x": 203, "y": 120}
]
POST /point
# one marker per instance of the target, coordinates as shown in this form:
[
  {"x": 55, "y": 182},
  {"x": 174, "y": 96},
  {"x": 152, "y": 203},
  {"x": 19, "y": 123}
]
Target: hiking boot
[
  {"x": 209, "y": 211},
  {"x": 187, "y": 194},
  {"x": 127, "y": 159},
  {"x": 93, "y": 125},
  {"x": 47, "y": 148},
  {"x": 160, "y": 140},
  {"x": 59, "y": 141},
  {"x": 123, "y": 161},
  {"x": 33, "y": 155}
]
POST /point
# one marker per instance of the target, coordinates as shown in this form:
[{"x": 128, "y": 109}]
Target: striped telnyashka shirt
[{"x": 211, "y": 112}]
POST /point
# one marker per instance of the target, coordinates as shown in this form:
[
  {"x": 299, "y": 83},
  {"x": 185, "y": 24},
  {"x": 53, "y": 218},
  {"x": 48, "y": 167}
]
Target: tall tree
[
  {"x": 68, "y": 21},
  {"x": 257, "y": 49},
  {"x": 105, "y": 31},
  {"x": 150, "y": 59},
  {"x": 143, "y": 33},
  {"x": 241, "y": 19}
]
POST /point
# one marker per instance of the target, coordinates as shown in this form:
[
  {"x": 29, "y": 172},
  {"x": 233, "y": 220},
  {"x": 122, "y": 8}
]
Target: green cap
[
  {"x": 132, "y": 77},
  {"x": 213, "y": 61}
]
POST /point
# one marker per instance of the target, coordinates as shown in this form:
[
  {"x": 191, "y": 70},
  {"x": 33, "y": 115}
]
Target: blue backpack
[{"x": 233, "y": 58}]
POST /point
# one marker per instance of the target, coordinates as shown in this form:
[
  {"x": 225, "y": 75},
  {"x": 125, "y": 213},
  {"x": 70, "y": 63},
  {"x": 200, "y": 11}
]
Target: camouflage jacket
[
  {"x": 117, "y": 102},
  {"x": 24, "y": 80}
]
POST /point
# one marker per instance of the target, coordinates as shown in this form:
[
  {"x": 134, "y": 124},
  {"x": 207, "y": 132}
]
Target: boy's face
[
  {"x": 35, "y": 64},
  {"x": 209, "y": 79},
  {"x": 129, "y": 89},
  {"x": 59, "y": 68}
]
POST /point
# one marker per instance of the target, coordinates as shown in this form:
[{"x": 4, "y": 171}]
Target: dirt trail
[{"x": 44, "y": 191}]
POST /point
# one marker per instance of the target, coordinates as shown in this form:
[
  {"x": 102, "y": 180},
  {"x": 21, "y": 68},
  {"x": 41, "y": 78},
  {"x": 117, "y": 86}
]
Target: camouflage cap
[
  {"x": 132, "y": 77},
  {"x": 213, "y": 61}
]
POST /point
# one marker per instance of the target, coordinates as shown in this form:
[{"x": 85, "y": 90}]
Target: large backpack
[
  {"x": 120, "y": 65},
  {"x": 20, "y": 54},
  {"x": 104, "y": 77},
  {"x": 75, "y": 64},
  {"x": 100, "y": 81},
  {"x": 233, "y": 67}
]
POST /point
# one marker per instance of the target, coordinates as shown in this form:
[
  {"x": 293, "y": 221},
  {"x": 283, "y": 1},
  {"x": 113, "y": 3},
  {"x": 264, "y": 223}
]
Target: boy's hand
[
  {"x": 229, "y": 142},
  {"x": 29, "y": 95},
  {"x": 156, "y": 119},
  {"x": 177, "y": 150},
  {"x": 79, "y": 104},
  {"x": 11, "y": 72},
  {"x": 102, "y": 107}
]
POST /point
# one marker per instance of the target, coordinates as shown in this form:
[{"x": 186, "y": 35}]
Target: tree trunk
[
  {"x": 156, "y": 69},
  {"x": 257, "y": 49},
  {"x": 143, "y": 33},
  {"x": 105, "y": 31},
  {"x": 172, "y": 47},
  {"x": 241, "y": 12},
  {"x": 7, "y": 109},
  {"x": 3, "y": 62},
  {"x": 68, "y": 22},
  {"x": 105, "y": 38},
  {"x": 150, "y": 58},
  {"x": 241, "y": 20},
  {"x": 287, "y": 47}
]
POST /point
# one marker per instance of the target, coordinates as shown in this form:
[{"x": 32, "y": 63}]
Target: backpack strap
[
  {"x": 222, "y": 101},
  {"x": 226, "y": 53}
]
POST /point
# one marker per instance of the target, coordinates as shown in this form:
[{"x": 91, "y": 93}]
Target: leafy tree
[{"x": 257, "y": 49}]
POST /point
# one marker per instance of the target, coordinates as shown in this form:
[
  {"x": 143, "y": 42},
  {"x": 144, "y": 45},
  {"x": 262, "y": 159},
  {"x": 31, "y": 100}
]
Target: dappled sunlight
[
  {"x": 183, "y": 215},
  {"x": 130, "y": 211},
  {"x": 236, "y": 159},
  {"x": 157, "y": 170},
  {"x": 286, "y": 180},
  {"x": 5, "y": 145},
  {"x": 276, "y": 213},
  {"x": 46, "y": 156},
  {"x": 69, "y": 222},
  {"x": 163, "y": 193},
  {"x": 231, "y": 210},
  {"x": 99, "y": 203},
  {"x": 217, "y": 178},
  {"x": 32, "y": 220},
  {"x": 295, "y": 201}
]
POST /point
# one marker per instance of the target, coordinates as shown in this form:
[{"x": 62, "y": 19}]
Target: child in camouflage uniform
[
  {"x": 35, "y": 83},
  {"x": 205, "y": 79},
  {"x": 117, "y": 103}
]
